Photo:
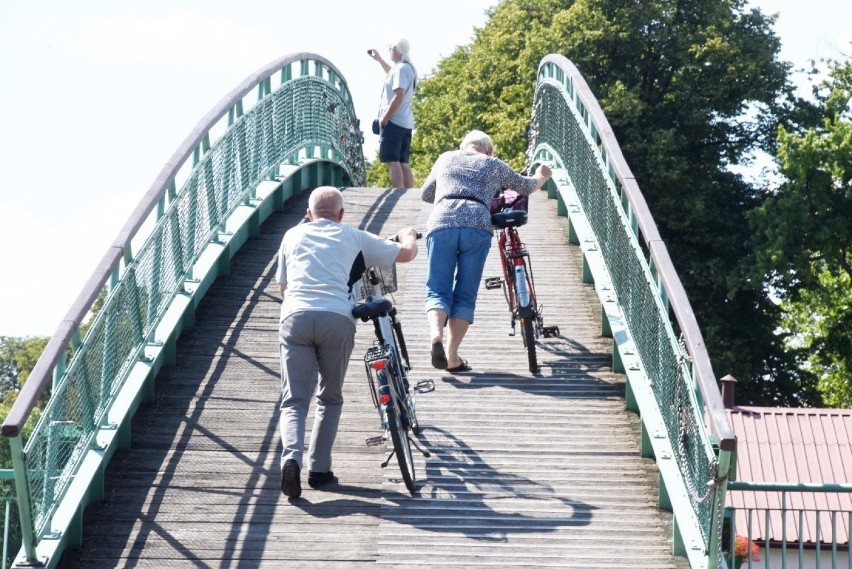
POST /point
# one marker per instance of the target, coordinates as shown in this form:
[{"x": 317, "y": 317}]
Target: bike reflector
[
  {"x": 384, "y": 394},
  {"x": 378, "y": 364}
]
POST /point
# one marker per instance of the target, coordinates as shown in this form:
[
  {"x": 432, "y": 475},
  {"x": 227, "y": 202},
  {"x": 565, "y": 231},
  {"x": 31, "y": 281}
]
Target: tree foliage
[
  {"x": 690, "y": 90},
  {"x": 804, "y": 239},
  {"x": 18, "y": 357},
  {"x": 487, "y": 85},
  {"x": 698, "y": 91}
]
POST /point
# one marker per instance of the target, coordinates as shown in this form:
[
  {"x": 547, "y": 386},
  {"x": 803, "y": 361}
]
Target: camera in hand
[{"x": 370, "y": 52}]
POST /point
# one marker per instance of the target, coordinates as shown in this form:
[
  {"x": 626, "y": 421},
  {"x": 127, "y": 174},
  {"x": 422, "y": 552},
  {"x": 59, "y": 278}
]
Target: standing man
[
  {"x": 395, "y": 114},
  {"x": 318, "y": 263}
]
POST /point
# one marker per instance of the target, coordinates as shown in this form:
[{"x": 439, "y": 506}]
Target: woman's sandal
[
  {"x": 461, "y": 368},
  {"x": 439, "y": 358}
]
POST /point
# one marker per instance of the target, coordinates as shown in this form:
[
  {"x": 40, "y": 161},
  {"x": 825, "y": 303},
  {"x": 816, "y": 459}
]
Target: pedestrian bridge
[{"x": 159, "y": 444}]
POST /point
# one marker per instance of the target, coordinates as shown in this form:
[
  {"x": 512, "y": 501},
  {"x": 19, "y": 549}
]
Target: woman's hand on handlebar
[{"x": 542, "y": 175}]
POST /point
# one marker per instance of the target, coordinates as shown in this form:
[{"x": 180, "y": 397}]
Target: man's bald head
[{"x": 326, "y": 202}]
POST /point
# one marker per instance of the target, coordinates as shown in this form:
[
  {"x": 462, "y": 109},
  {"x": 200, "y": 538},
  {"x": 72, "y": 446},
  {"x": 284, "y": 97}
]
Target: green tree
[
  {"x": 690, "y": 89},
  {"x": 804, "y": 237},
  {"x": 18, "y": 357},
  {"x": 377, "y": 174},
  {"x": 487, "y": 85},
  {"x": 699, "y": 90}
]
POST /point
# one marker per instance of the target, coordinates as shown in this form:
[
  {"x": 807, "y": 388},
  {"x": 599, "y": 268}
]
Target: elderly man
[
  {"x": 395, "y": 114},
  {"x": 318, "y": 263}
]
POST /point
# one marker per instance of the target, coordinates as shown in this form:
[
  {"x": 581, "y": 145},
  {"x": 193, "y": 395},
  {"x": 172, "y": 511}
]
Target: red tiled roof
[{"x": 793, "y": 446}]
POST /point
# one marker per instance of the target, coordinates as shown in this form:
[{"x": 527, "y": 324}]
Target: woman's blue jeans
[{"x": 455, "y": 259}]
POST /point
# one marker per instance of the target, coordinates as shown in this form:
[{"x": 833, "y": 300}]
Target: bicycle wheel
[
  {"x": 403, "y": 387},
  {"x": 528, "y": 334},
  {"x": 401, "y": 446}
]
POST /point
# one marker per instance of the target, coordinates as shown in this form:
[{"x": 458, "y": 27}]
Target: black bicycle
[{"x": 387, "y": 367}]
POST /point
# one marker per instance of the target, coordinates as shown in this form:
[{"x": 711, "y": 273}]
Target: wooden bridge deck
[{"x": 524, "y": 471}]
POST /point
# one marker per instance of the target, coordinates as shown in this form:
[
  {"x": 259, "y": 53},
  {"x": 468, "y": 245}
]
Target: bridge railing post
[{"x": 28, "y": 536}]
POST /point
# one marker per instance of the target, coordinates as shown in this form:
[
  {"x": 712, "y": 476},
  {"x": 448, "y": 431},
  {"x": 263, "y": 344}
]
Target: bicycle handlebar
[{"x": 395, "y": 238}]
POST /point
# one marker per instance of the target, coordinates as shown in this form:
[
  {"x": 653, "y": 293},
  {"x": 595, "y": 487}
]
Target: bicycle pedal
[
  {"x": 493, "y": 282},
  {"x": 375, "y": 441},
  {"x": 425, "y": 386},
  {"x": 550, "y": 331}
]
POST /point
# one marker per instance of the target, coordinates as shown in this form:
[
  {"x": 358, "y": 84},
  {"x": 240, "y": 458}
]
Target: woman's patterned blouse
[{"x": 461, "y": 185}]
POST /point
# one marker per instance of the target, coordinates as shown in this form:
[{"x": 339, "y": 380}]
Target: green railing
[
  {"x": 808, "y": 537},
  {"x": 657, "y": 342},
  {"x": 288, "y": 127}
]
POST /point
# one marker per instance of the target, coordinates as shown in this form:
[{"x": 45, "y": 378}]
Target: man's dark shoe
[
  {"x": 291, "y": 484},
  {"x": 319, "y": 479}
]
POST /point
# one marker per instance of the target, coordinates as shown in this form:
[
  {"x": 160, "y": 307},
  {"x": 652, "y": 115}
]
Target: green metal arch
[{"x": 286, "y": 128}]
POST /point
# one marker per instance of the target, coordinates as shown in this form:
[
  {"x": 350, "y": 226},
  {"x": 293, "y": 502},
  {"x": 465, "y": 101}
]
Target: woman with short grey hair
[{"x": 458, "y": 236}]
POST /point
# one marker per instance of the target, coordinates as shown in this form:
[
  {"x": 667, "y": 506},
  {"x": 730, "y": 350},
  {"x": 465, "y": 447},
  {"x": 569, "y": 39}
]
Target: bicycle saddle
[
  {"x": 371, "y": 309},
  {"x": 511, "y": 218}
]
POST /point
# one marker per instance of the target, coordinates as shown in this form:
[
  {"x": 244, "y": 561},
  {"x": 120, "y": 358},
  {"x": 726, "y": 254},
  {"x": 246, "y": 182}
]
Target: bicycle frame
[{"x": 517, "y": 272}]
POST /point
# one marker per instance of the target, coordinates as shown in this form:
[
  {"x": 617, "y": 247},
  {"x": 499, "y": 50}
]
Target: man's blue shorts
[{"x": 394, "y": 143}]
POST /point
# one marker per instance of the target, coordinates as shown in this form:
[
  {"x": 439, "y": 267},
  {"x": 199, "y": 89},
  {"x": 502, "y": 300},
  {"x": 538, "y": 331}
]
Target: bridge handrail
[
  {"x": 558, "y": 72},
  {"x": 308, "y": 118},
  {"x": 694, "y": 341}
]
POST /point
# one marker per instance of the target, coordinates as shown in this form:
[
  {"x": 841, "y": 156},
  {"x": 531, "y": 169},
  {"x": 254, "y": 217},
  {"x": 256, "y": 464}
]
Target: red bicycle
[{"x": 518, "y": 283}]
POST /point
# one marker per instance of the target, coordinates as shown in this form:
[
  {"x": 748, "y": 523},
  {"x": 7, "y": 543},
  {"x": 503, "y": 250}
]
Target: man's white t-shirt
[
  {"x": 401, "y": 76},
  {"x": 321, "y": 260}
]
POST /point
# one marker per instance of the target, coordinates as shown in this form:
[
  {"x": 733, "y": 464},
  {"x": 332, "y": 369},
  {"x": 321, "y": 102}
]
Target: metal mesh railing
[
  {"x": 562, "y": 128},
  {"x": 308, "y": 116}
]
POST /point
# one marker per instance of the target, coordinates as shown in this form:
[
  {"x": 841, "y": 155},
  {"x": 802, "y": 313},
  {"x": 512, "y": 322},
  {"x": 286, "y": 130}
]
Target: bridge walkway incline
[{"x": 524, "y": 471}]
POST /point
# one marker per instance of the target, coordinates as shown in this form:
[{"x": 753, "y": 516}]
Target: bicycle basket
[{"x": 387, "y": 276}]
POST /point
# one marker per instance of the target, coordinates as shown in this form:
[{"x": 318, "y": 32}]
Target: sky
[{"x": 96, "y": 96}]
